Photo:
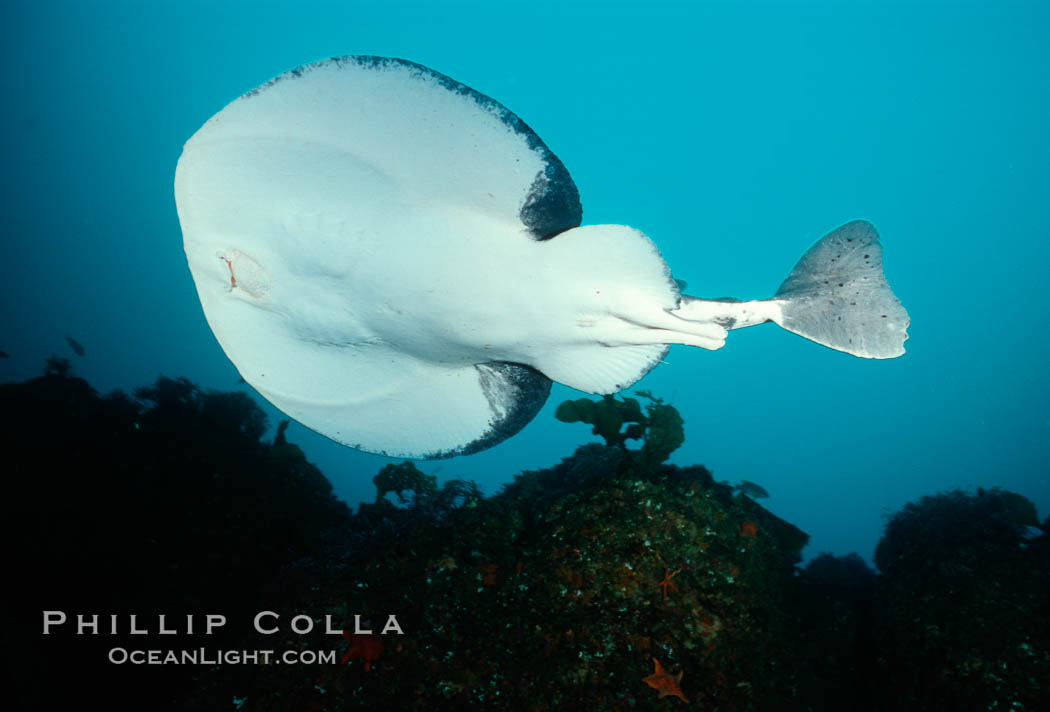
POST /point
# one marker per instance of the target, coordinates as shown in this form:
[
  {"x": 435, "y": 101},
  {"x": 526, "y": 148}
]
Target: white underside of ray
[
  {"x": 356, "y": 236},
  {"x": 355, "y": 264},
  {"x": 328, "y": 219}
]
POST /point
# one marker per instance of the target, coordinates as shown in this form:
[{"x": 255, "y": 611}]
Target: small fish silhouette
[
  {"x": 751, "y": 489},
  {"x": 75, "y": 345}
]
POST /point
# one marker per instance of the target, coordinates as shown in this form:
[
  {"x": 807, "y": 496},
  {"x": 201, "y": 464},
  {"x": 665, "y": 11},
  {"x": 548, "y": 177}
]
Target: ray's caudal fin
[{"x": 838, "y": 296}]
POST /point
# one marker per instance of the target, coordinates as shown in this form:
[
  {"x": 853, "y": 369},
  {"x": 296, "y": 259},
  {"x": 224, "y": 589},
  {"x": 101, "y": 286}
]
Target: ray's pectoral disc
[{"x": 363, "y": 234}]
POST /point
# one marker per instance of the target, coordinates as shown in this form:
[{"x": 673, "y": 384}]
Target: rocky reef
[
  {"x": 163, "y": 503},
  {"x": 612, "y": 581},
  {"x": 964, "y": 603}
]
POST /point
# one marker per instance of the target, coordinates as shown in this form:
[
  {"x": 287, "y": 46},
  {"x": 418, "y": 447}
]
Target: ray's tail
[{"x": 838, "y": 296}]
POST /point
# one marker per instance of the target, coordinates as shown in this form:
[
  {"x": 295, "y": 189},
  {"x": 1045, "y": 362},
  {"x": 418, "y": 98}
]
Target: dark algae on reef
[
  {"x": 612, "y": 581},
  {"x": 964, "y": 602}
]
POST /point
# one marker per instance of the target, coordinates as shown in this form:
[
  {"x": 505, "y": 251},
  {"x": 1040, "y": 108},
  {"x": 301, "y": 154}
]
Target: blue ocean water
[{"x": 733, "y": 134}]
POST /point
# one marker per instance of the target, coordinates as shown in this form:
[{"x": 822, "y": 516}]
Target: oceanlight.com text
[{"x": 203, "y": 656}]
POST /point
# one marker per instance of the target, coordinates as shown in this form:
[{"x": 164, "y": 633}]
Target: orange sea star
[
  {"x": 668, "y": 575},
  {"x": 750, "y": 529},
  {"x": 362, "y": 647},
  {"x": 665, "y": 683}
]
